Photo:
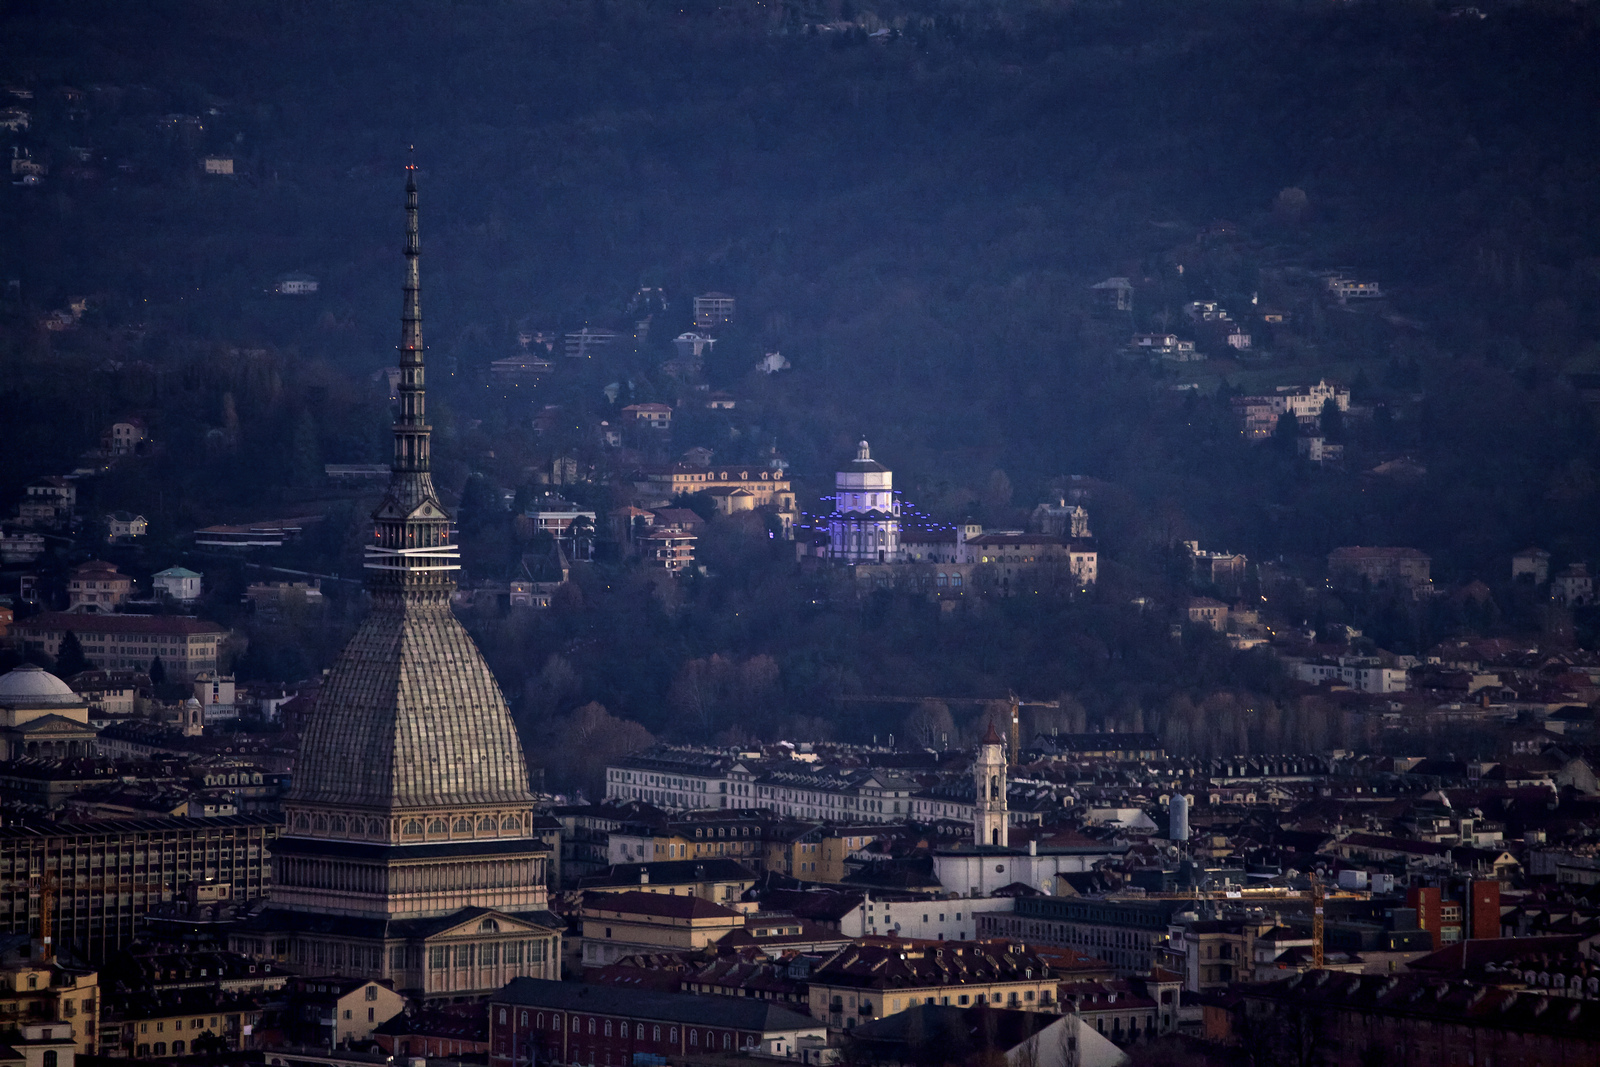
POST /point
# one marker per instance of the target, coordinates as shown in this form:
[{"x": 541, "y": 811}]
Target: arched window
[
  {"x": 463, "y": 825},
  {"x": 489, "y": 926},
  {"x": 413, "y": 826},
  {"x": 655, "y": 1033},
  {"x": 337, "y": 824},
  {"x": 177, "y": 1049},
  {"x": 438, "y": 826},
  {"x": 317, "y": 823},
  {"x": 591, "y": 1026},
  {"x": 510, "y": 822},
  {"x": 694, "y": 1037},
  {"x": 50, "y": 1057},
  {"x": 159, "y": 1048},
  {"x": 994, "y": 787},
  {"x": 487, "y": 824}
]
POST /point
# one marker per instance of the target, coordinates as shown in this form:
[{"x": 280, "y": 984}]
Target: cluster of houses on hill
[{"x": 865, "y": 531}]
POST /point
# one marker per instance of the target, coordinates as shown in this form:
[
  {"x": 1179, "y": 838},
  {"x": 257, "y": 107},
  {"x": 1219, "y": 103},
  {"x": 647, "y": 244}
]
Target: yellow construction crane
[
  {"x": 1316, "y": 920},
  {"x": 49, "y": 887},
  {"x": 1014, "y": 723},
  {"x": 47, "y": 907}
]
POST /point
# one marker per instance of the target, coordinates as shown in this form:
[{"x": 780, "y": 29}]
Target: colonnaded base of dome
[{"x": 377, "y": 881}]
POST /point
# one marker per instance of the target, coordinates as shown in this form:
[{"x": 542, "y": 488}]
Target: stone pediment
[
  {"x": 45, "y": 725},
  {"x": 489, "y": 924},
  {"x": 425, "y": 510}
]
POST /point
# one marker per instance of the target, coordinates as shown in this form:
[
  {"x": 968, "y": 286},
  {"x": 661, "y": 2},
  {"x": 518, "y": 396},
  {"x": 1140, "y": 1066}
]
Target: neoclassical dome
[{"x": 35, "y": 687}]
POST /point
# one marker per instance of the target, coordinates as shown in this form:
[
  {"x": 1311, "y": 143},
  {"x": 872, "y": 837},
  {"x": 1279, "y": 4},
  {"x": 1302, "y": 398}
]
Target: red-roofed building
[
  {"x": 97, "y": 586},
  {"x": 748, "y": 975},
  {"x": 1126, "y": 1010},
  {"x": 121, "y": 642},
  {"x": 454, "y": 1031},
  {"x": 620, "y": 924},
  {"x": 1411, "y": 1018}
]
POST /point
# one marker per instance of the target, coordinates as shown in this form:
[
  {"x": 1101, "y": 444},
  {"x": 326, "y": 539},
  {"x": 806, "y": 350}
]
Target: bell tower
[{"x": 990, "y": 822}]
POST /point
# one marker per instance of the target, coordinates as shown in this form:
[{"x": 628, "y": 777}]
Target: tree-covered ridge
[{"x": 913, "y": 218}]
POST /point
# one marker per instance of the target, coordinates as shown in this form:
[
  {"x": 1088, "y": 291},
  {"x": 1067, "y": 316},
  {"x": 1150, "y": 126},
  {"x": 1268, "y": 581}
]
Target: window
[{"x": 372, "y": 994}]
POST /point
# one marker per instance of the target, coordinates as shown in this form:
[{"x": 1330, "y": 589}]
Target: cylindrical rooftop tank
[{"x": 1178, "y": 810}]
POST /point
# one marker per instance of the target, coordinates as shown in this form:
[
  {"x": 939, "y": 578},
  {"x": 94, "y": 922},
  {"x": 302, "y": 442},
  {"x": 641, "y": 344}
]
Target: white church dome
[{"x": 33, "y": 686}]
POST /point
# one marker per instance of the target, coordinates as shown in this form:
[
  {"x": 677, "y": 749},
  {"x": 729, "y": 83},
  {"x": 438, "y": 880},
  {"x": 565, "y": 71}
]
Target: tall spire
[
  {"x": 410, "y": 795},
  {"x": 410, "y": 429},
  {"x": 411, "y": 553}
]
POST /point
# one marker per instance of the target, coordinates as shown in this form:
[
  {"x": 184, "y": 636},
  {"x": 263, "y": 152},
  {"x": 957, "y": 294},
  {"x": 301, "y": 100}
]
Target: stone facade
[
  {"x": 409, "y": 851},
  {"x": 865, "y": 524}
]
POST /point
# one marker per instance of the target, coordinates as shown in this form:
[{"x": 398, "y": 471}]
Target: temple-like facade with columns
[{"x": 865, "y": 524}]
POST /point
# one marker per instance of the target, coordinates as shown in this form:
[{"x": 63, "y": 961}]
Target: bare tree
[
  {"x": 928, "y": 724},
  {"x": 587, "y": 740}
]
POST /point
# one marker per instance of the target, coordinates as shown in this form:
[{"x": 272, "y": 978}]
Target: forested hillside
[{"x": 909, "y": 202}]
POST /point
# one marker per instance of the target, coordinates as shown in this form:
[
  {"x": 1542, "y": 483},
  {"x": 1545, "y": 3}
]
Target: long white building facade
[{"x": 689, "y": 780}]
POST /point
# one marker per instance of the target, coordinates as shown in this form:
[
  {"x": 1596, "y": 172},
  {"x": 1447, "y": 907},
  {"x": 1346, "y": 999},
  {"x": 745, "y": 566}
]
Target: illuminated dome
[{"x": 35, "y": 687}]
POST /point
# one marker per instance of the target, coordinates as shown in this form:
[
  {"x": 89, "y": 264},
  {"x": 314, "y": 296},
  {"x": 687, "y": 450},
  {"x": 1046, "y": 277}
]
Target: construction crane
[
  {"x": 48, "y": 886},
  {"x": 1316, "y": 920},
  {"x": 47, "y": 907},
  {"x": 1013, "y": 727}
]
